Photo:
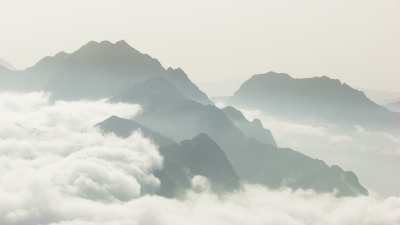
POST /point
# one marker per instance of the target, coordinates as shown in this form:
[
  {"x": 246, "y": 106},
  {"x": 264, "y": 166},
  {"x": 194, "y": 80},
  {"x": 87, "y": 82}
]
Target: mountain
[
  {"x": 153, "y": 92},
  {"x": 253, "y": 129},
  {"x": 202, "y": 156},
  {"x": 4, "y": 65},
  {"x": 182, "y": 82},
  {"x": 98, "y": 70},
  {"x": 124, "y": 128},
  {"x": 178, "y": 118},
  {"x": 313, "y": 99},
  {"x": 175, "y": 110},
  {"x": 197, "y": 156},
  {"x": 395, "y": 106}
]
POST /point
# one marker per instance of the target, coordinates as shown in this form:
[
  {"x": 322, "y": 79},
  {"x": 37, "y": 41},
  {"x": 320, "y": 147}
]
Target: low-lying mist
[
  {"x": 56, "y": 168},
  {"x": 370, "y": 154}
]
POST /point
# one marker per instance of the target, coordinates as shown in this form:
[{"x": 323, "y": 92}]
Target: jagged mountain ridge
[
  {"x": 124, "y": 128},
  {"x": 312, "y": 99},
  {"x": 97, "y": 70},
  {"x": 253, "y": 128},
  {"x": 254, "y": 161},
  {"x": 182, "y": 161}
]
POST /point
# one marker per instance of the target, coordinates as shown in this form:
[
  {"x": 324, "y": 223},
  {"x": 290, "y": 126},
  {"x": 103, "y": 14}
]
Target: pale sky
[{"x": 220, "y": 43}]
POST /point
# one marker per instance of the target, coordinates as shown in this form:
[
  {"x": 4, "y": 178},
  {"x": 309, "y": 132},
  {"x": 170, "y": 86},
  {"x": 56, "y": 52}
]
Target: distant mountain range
[
  {"x": 313, "y": 99},
  {"x": 248, "y": 145},
  {"x": 195, "y": 137},
  {"x": 97, "y": 70}
]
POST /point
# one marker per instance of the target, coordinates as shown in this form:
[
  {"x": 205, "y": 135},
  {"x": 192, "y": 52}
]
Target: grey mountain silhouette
[
  {"x": 98, "y": 70},
  {"x": 197, "y": 156},
  {"x": 176, "y": 110},
  {"x": 253, "y": 129},
  {"x": 179, "y": 119},
  {"x": 200, "y": 156},
  {"x": 151, "y": 94},
  {"x": 313, "y": 99},
  {"x": 124, "y": 128}
]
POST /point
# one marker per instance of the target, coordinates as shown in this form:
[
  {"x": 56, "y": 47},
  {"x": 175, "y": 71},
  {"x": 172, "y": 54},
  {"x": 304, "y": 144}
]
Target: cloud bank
[
  {"x": 55, "y": 168},
  {"x": 372, "y": 155},
  {"x": 51, "y": 152},
  {"x": 255, "y": 206}
]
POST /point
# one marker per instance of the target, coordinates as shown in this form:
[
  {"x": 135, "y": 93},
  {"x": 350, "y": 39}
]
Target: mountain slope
[
  {"x": 253, "y": 129},
  {"x": 197, "y": 156},
  {"x": 313, "y": 99},
  {"x": 124, "y": 128},
  {"x": 254, "y": 161},
  {"x": 152, "y": 92},
  {"x": 202, "y": 156},
  {"x": 99, "y": 70}
]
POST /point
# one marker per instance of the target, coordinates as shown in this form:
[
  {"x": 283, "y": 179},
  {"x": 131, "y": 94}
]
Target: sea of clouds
[
  {"x": 372, "y": 155},
  {"x": 57, "y": 168}
]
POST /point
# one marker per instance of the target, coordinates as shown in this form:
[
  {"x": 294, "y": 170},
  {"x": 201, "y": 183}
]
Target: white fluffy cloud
[
  {"x": 255, "y": 205},
  {"x": 52, "y": 152},
  {"x": 55, "y": 168}
]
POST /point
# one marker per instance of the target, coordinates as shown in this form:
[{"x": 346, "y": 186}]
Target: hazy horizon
[{"x": 216, "y": 42}]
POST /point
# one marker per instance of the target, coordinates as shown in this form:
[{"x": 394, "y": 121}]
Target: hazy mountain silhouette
[
  {"x": 313, "y": 99},
  {"x": 253, "y": 129},
  {"x": 201, "y": 156},
  {"x": 124, "y": 128},
  {"x": 98, "y": 70},
  {"x": 179, "y": 119},
  {"x": 175, "y": 110},
  {"x": 197, "y": 156}
]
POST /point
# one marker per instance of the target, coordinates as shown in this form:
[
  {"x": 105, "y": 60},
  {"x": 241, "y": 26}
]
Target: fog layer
[
  {"x": 55, "y": 168},
  {"x": 372, "y": 155}
]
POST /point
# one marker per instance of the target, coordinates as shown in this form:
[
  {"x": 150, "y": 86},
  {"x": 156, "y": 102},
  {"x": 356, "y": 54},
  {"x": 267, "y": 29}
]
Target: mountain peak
[
  {"x": 177, "y": 73},
  {"x": 119, "y": 57},
  {"x": 105, "y": 70},
  {"x": 203, "y": 137},
  {"x": 274, "y": 75},
  {"x": 108, "y": 47},
  {"x": 122, "y": 43}
]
